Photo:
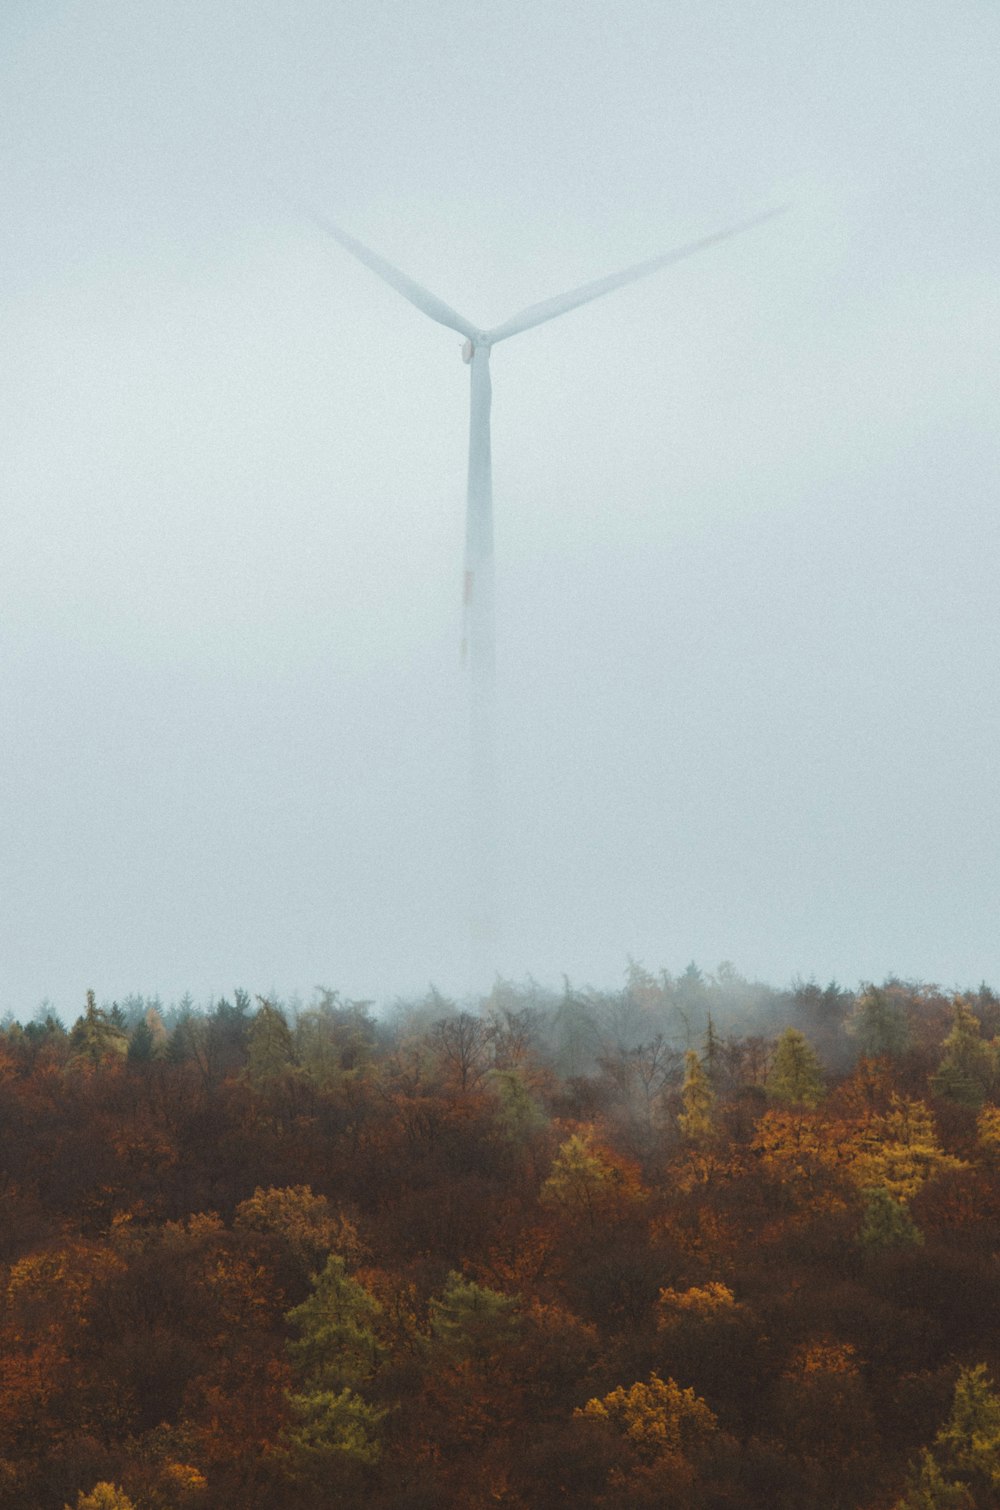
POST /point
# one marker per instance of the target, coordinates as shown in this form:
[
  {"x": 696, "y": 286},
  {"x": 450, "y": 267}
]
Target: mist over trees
[{"x": 697, "y": 1242}]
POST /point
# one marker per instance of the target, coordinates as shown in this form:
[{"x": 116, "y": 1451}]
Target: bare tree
[
  {"x": 462, "y": 1044},
  {"x": 513, "y": 1033}
]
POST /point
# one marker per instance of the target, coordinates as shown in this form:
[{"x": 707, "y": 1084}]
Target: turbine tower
[{"x": 478, "y": 611}]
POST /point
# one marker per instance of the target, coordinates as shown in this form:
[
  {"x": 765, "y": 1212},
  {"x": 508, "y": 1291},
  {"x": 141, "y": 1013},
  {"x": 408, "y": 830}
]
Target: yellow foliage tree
[
  {"x": 49, "y": 1292},
  {"x": 184, "y": 1480},
  {"x": 899, "y": 1151},
  {"x": 659, "y": 1418},
  {"x": 896, "y": 1150},
  {"x": 589, "y": 1182},
  {"x": 104, "y": 1496},
  {"x": 708, "y": 1302},
  {"x": 698, "y": 1098},
  {"x": 796, "y": 1148},
  {"x": 822, "y": 1356},
  {"x": 305, "y": 1222},
  {"x": 988, "y": 1127}
]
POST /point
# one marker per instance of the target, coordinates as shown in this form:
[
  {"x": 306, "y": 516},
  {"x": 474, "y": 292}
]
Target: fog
[{"x": 748, "y": 623}]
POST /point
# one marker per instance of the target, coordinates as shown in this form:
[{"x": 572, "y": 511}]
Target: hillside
[{"x": 696, "y": 1243}]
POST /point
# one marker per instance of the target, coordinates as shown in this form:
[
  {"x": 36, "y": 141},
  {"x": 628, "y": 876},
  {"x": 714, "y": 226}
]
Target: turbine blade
[
  {"x": 422, "y": 298},
  {"x": 537, "y": 314}
]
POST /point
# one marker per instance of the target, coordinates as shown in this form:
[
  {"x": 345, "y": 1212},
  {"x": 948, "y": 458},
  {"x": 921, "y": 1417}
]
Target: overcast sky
[{"x": 746, "y": 510}]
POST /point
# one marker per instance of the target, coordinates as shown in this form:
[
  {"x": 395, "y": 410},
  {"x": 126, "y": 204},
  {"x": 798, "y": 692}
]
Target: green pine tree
[
  {"x": 140, "y": 1048},
  {"x": 886, "y": 1223},
  {"x": 271, "y": 1050},
  {"x": 334, "y": 1434},
  {"x": 795, "y": 1077},
  {"x": 337, "y": 1345},
  {"x": 878, "y": 1025},
  {"x": 470, "y": 1321},
  {"x": 961, "y": 1471},
  {"x": 337, "y": 1431},
  {"x": 968, "y": 1068},
  {"x": 95, "y": 1037}
]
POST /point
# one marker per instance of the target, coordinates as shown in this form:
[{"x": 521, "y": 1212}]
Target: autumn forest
[{"x": 694, "y": 1243}]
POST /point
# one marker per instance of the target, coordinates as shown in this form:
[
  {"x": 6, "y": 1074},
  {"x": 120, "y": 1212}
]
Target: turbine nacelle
[{"x": 470, "y": 346}]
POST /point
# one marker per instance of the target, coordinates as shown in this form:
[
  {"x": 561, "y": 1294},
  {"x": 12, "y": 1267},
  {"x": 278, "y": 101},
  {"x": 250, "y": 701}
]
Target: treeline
[{"x": 698, "y": 1243}]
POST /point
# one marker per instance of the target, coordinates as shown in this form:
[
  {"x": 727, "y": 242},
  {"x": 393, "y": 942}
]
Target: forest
[{"x": 696, "y": 1243}]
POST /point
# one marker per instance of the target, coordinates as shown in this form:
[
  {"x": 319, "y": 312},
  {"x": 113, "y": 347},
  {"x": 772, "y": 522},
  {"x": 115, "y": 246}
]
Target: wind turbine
[{"x": 478, "y": 610}]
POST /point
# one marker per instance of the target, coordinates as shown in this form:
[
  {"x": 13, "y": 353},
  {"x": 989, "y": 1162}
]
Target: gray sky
[{"x": 746, "y": 510}]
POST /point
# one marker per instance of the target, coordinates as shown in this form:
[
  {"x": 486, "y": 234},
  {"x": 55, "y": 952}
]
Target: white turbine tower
[{"x": 478, "y": 630}]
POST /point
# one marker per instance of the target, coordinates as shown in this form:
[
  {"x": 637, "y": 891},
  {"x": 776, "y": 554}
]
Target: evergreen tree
[
  {"x": 270, "y": 1049},
  {"x": 333, "y": 1435},
  {"x": 691, "y": 1001},
  {"x": 180, "y": 1044},
  {"x": 713, "y": 1053},
  {"x": 337, "y": 1346},
  {"x": 968, "y": 1068},
  {"x": 334, "y": 1038},
  {"x": 795, "y": 1077},
  {"x": 337, "y": 1431},
  {"x": 886, "y": 1223},
  {"x": 470, "y": 1321},
  {"x": 227, "y": 1032},
  {"x": 878, "y": 1025},
  {"x": 95, "y": 1037},
  {"x": 962, "y": 1469},
  {"x": 42, "y": 1031},
  {"x": 518, "y": 1115},
  {"x": 141, "y": 1046},
  {"x": 698, "y": 1098},
  {"x": 575, "y": 1034}
]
